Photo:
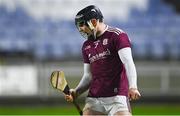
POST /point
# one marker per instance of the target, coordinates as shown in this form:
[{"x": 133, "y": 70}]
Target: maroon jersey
[{"x": 108, "y": 73}]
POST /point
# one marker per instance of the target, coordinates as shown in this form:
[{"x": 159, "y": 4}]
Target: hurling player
[{"x": 109, "y": 69}]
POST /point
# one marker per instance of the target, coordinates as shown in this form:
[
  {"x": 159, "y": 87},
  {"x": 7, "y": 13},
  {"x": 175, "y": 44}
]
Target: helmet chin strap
[{"x": 93, "y": 29}]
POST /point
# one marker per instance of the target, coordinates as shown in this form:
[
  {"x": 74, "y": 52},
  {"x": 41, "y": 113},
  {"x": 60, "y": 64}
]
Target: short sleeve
[{"x": 122, "y": 41}]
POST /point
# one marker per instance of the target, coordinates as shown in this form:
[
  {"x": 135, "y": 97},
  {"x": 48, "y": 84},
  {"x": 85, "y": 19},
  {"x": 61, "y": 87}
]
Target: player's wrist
[
  {"x": 73, "y": 93},
  {"x": 132, "y": 86}
]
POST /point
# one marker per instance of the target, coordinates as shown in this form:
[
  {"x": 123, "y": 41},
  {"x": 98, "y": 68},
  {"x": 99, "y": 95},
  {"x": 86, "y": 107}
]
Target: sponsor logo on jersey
[{"x": 99, "y": 56}]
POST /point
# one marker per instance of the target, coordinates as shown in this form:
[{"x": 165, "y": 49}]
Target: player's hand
[
  {"x": 72, "y": 96},
  {"x": 134, "y": 94}
]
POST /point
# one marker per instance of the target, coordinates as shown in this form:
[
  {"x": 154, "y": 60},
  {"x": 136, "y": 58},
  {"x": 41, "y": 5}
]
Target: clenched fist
[
  {"x": 71, "y": 96},
  {"x": 134, "y": 94}
]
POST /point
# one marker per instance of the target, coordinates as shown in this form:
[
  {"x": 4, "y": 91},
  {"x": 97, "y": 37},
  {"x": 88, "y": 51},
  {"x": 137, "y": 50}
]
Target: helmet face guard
[
  {"x": 86, "y": 15},
  {"x": 79, "y": 24}
]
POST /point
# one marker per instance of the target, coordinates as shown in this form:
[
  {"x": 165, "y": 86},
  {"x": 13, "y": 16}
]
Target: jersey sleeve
[
  {"x": 122, "y": 41},
  {"x": 85, "y": 56}
]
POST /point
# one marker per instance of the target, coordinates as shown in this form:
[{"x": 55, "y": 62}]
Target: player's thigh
[
  {"x": 91, "y": 112},
  {"x": 122, "y": 113},
  {"x": 93, "y": 107},
  {"x": 120, "y": 106}
]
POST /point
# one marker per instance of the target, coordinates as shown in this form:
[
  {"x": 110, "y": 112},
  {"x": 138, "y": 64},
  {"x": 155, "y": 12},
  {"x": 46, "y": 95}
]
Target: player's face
[{"x": 85, "y": 29}]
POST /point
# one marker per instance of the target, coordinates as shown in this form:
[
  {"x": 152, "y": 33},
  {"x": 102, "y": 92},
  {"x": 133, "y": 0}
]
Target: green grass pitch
[{"x": 139, "y": 109}]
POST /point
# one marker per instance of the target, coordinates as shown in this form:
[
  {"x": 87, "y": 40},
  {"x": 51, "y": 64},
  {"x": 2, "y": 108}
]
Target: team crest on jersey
[{"x": 105, "y": 41}]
